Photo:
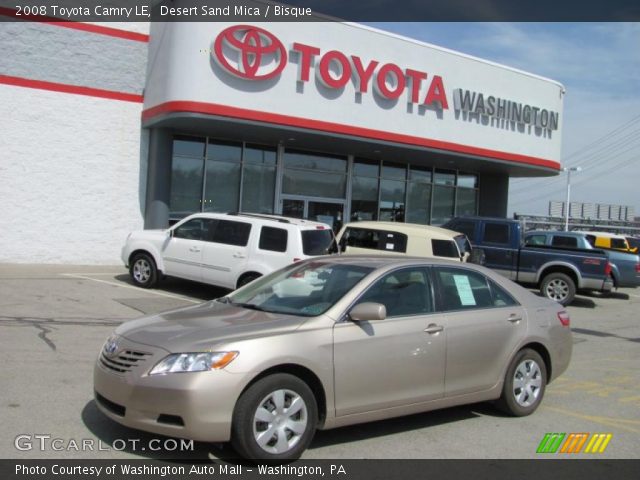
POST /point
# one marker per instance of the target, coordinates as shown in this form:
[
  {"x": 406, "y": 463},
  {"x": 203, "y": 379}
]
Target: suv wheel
[
  {"x": 558, "y": 287},
  {"x": 143, "y": 270},
  {"x": 247, "y": 278},
  {"x": 524, "y": 384},
  {"x": 274, "y": 419}
]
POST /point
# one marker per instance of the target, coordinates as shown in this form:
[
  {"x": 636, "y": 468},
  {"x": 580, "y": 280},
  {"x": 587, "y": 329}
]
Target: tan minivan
[{"x": 370, "y": 237}]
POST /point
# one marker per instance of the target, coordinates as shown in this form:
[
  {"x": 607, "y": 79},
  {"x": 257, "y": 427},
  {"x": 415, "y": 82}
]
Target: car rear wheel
[
  {"x": 143, "y": 270},
  {"x": 558, "y": 287},
  {"x": 524, "y": 384},
  {"x": 274, "y": 419}
]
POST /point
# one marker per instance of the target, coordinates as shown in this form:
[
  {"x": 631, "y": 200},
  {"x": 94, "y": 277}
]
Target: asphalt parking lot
[{"x": 54, "y": 320}]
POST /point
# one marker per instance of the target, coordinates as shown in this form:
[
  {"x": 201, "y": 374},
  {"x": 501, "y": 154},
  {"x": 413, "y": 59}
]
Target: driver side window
[{"x": 404, "y": 292}]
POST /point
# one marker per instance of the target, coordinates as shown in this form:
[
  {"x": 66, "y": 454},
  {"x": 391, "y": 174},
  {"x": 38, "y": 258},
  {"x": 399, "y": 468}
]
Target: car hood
[{"x": 204, "y": 326}]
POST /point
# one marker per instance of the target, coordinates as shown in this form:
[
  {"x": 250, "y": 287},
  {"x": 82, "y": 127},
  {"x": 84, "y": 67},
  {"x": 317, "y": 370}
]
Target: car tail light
[
  {"x": 607, "y": 269},
  {"x": 296, "y": 260},
  {"x": 564, "y": 318},
  {"x": 637, "y": 267},
  {"x": 319, "y": 227}
]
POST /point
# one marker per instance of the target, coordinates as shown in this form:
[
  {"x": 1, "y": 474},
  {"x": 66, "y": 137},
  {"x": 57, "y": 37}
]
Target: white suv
[{"x": 227, "y": 250}]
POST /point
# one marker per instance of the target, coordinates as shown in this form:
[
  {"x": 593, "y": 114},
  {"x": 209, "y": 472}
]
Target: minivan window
[
  {"x": 375, "y": 239},
  {"x": 232, "y": 233},
  {"x": 316, "y": 242},
  {"x": 273, "y": 239},
  {"x": 444, "y": 248},
  {"x": 496, "y": 233}
]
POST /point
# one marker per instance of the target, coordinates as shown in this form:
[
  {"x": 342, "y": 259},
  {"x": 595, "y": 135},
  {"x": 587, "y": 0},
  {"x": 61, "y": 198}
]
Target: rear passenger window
[
  {"x": 232, "y": 233},
  {"x": 273, "y": 239},
  {"x": 375, "y": 239},
  {"x": 496, "y": 233},
  {"x": 534, "y": 240},
  {"x": 463, "y": 289},
  {"x": 563, "y": 241},
  {"x": 500, "y": 296},
  {"x": 444, "y": 248}
]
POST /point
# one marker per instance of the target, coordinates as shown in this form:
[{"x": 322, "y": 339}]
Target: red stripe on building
[
  {"x": 73, "y": 89},
  {"x": 85, "y": 27},
  {"x": 289, "y": 121}
]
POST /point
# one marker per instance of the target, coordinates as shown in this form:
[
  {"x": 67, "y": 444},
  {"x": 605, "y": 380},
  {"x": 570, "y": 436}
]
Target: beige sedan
[{"x": 330, "y": 342}]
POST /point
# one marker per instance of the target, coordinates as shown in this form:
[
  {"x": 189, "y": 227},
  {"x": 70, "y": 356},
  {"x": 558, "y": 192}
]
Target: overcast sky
[{"x": 599, "y": 64}]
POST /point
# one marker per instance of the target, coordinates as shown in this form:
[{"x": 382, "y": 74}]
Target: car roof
[
  {"x": 264, "y": 218},
  {"x": 382, "y": 261},
  {"x": 409, "y": 228}
]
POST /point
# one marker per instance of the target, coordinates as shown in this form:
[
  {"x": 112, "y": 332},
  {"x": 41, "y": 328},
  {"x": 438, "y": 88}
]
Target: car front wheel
[
  {"x": 275, "y": 419},
  {"x": 524, "y": 384},
  {"x": 143, "y": 270}
]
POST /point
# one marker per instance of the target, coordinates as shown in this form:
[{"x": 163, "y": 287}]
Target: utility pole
[{"x": 567, "y": 205}]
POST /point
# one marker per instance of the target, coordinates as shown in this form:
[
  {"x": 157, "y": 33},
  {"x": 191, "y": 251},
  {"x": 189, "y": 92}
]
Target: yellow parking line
[
  {"x": 620, "y": 423},
  {"x": 131, "y": 287}
]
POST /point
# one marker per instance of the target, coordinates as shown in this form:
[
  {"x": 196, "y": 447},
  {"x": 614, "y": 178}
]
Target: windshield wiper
[{"x": 250, "y": 306}]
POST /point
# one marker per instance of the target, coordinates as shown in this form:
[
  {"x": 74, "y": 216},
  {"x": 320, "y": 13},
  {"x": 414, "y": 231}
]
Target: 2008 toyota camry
[{"x": 329, "y": 342}]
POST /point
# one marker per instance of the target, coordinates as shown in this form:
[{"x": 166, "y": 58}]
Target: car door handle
[
  {"x": 194, "y": 249},
  {"x": 513, "y": 318},
  {"x": 433, "y": 328},
  {"x": 239, "y": 255}
]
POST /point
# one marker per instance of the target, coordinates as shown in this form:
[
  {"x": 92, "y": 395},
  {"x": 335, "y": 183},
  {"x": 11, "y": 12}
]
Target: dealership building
[{"x": 115, "y": 127}]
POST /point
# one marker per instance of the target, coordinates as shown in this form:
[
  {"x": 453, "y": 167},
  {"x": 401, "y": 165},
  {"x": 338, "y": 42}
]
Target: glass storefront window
[
  {"x": 312, "y": 161},
  {"x": 467, "y": 180},
  {"x": 419, "y": 203},
  {"x": 258, "y": 155},
  {"x": 222, "y": 187},
  {"x": 366, "y": 168},
  {"x": 364, "y": 198},
  {"x": 186, "y": 185},
  {"x": 444, "y": 177},
  {"x": 258, "y": 189},
  {"x": 224, "y": 152},
  {"x": 392, "y": 195},
  {"x": 314, "y": 183},
  {"x": 466, "y": 201},
  {"x": 394, "y": 171},
  {"x": 421, "y": 174},
  {"x": 188, "y": 146},
  {"x": 443, "y": 203}
]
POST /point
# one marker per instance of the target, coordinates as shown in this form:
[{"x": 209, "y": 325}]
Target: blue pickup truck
[
  {"x": 558, "y": 272},
  {"x": 625, "y": 267}
]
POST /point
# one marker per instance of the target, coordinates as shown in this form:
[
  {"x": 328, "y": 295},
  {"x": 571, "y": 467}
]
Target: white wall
[{"x": 70, "y": 179}]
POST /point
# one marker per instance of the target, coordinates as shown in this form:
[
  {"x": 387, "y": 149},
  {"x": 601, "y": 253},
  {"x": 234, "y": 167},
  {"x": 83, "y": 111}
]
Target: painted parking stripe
[{"x": 131, "y": 287}]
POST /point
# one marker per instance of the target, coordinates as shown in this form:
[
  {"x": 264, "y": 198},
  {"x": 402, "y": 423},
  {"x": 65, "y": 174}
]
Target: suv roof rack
[{"x": 277, "y": 218}]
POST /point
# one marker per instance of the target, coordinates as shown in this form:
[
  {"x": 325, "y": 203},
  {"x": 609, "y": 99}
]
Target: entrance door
[{"x": 318, "y": 210}]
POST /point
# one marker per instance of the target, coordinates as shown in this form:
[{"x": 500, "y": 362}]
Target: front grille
[{"x": 124, "y": 361}]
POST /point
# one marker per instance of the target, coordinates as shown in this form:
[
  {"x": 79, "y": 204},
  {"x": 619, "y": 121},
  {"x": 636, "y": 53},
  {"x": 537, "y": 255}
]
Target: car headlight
[{"x": 193, "y": 362}]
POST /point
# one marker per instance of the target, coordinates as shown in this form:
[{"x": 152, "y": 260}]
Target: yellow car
[{"x": 609, "y": 241}]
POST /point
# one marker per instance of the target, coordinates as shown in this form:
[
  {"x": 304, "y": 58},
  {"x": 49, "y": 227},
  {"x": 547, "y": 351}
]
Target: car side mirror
[{"x": 368, "y": 311}]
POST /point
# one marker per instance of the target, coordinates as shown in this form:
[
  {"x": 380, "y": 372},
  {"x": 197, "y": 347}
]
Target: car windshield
[{"x": 307, "y": 289}]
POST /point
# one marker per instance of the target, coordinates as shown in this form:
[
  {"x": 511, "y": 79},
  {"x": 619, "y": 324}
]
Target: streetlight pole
[{"x": 568, "y": 204}]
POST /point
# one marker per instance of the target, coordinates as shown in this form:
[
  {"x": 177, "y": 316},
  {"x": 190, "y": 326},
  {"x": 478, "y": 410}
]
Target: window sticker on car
[
  {"x": 464, "y": 290},
  {"x": 390, "y": 246}
]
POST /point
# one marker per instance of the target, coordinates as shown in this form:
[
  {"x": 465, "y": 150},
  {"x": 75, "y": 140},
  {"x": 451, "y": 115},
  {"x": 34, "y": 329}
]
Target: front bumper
[{"x": 196, "y": 405}]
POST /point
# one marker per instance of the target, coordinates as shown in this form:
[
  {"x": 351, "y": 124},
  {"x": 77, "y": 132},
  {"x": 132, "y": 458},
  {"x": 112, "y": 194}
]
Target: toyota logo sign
[{"x": 259, "y": 55}]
